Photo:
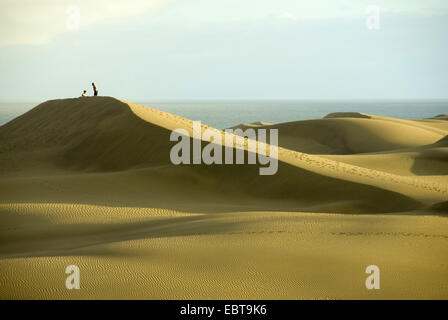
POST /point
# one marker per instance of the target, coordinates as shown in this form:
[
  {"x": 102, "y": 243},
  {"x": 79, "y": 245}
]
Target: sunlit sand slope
[{"x": 89, "y": 182}]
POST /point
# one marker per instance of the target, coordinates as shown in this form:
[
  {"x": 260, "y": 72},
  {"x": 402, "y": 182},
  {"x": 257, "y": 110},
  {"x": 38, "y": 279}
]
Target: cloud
[
  {"x": 37, "y": 22},
  {"x": 27, "y": 22}
]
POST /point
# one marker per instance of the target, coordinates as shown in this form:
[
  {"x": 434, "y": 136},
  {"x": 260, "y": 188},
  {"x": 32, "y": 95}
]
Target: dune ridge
[
  {"x": 429, "y": 191},
  {"x": 121, "y": 136}
]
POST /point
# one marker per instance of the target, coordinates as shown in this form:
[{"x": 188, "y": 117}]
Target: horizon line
[{"x": 235, "y": 99}]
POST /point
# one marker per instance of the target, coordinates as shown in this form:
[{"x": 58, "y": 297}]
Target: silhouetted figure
[
  {"x": 95, "y": 89},
  {"x": 84, "y": 94}
]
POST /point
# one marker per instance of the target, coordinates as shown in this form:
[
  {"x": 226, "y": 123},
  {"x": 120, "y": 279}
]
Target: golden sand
[{"x": 89, "y": 182}]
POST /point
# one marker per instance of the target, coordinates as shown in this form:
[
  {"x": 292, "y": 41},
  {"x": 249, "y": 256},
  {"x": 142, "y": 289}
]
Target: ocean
[{"x": 223, "y": 114}]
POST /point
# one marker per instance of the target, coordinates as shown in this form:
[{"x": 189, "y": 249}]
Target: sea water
[{"x": 224, "y": 114}]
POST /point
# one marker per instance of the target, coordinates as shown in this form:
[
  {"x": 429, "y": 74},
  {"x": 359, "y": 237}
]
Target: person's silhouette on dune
[{"x": 95, "y": 89}]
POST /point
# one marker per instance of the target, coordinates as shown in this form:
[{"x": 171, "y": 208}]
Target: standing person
[{"x": 95, "y": 89}]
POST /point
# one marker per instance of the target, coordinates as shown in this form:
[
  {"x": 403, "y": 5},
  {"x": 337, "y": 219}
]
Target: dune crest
[
  {"x": 408, "y": 186},
  {"x": 107, "y": 134},
  {"x": 347, "y": 115}
]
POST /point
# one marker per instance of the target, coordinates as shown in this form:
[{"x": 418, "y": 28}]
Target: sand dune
[
  {"x": 441, "y": 117},
  {"x": 355, "y": 135},
  {"x": 89, "y": 182},
  {"x": 345, "y": 133}
]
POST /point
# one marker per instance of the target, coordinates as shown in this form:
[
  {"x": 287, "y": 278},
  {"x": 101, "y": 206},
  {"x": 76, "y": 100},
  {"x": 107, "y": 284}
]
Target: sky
[{"x": 148, "y": 50}]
